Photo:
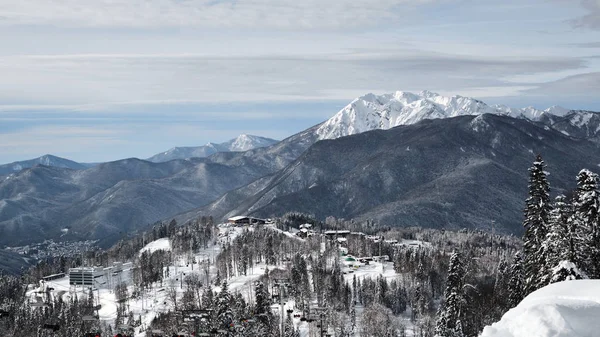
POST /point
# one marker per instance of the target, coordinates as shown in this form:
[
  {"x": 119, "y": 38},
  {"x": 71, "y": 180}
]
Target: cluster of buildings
[
  {"x": 101, "y": 277},
  {"x": 305, "y": 231},
  {"x": 246, "y": 220},
  {"x": 49, "y": 248}
]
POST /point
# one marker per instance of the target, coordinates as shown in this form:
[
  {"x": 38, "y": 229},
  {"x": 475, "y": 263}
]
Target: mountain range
[
  {"x": 458, "y": 172},
  {"x": 401, "y": 159},
  {"x": 370, "y": 112},
  {"x": 47, "y": 160},
  {"x": 241, "y": 143}
]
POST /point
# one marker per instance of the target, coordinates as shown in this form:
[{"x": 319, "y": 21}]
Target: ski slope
[{"x": 563, "y": 309}]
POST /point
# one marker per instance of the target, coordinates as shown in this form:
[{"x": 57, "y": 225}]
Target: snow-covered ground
[
  {"x": 563, "y": 309},
  {"x": 156, "y": 299},
  {"x": 159, "y": 244}
]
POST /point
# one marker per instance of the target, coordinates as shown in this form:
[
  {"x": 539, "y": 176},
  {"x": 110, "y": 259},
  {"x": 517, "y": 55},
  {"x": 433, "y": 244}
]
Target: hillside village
[{"x": 165, "y": 296}]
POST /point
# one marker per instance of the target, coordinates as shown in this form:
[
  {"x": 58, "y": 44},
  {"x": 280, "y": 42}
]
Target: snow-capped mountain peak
[
  {"x": 246, "y": 142},
  {"x": 385, "y": 111},
  {"x": 557, "y": 110}
]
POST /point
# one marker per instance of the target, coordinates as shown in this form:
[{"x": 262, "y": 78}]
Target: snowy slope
[
  {"x": 241, "y": 143},
  {"x": 160, "y": 244},
  {"x": 569, "y": 308},
  {"x": 371, "y": 112}
]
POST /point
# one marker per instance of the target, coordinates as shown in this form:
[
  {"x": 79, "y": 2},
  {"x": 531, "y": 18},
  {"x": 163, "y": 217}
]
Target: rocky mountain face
[
  {"x": 241, "y": 143},
  {"x": 457, "y": 172},
  {"x": 577, "y": 123}
]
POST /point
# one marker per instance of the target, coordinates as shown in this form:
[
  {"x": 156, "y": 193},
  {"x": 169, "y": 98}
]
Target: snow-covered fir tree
[
  {"x": 262, "y": 309},
  {"x": 586, "y": 216},
  {"x": 223, "y": 309},
  {"x": 565, "y": 271},
  {"x": 562, "y": 243},
  {"x": 537, "y": 214},
  {"x": 501, "y": 286},
  {"x": 448, "y": 324},
  {"x": 516, "y": 283}
]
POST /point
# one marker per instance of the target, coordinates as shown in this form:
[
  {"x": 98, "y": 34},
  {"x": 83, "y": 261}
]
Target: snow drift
[{"x": 569, "y": 308}]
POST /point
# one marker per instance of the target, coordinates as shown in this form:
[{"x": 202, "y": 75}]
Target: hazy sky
[{"x": 108, "y": 79}]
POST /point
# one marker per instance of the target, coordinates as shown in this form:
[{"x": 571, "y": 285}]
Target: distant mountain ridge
[
  {"x": 47, "y": 160},
  {"x": 457, "y": 172},
  {"x": 371, "y": 112},
  {"x": 241, "y": 143},
  {"x": 310, "y": 171}
]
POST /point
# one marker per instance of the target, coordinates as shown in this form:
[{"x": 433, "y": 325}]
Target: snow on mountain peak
[
  {"x": 241, "y": 143},
  {"x": 246, "y": 142},
  {"x": 385, "y": 111},
  {"x": 557, "y": 110}
]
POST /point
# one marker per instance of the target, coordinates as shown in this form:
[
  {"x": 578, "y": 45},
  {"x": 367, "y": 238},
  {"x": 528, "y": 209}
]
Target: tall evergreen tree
[
  {"x": 448, "y": 324},
  {"x": 516, "y": 283},
  {"x": 262, "y": 307},
  {"x": 537, "y": 214},
  {"x": 562, "y": 239},
  {"x": 289, "y": 330},
  {"x": 563, "y": 242},
  {"x": 501, "y": 286},
  {"x": 224, "y": 312},
  {"x": 586, "y": 216}
]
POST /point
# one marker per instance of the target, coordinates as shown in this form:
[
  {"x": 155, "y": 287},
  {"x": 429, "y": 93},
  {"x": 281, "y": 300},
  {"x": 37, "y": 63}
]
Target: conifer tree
[
  {"x": 223, "y": 308},
  {"x": 262, "y": 307},
  {"x": 516, "y": 282},
  {"x": 537, "y": 213},
  {"x": 448, "y": 324},
  {"x": 289, "y": 330},
  {"x": 501, "y": 286},
  {"x": 586, "y": 216},
  {"x": 563, "y": 244},
  {"x": 207, "y": 298},
  {"x": 561, "y": 233}
]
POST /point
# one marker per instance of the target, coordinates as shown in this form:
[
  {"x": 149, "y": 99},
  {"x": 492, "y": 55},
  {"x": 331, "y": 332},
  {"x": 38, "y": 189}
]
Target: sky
[{"x": 109, "y": 79}]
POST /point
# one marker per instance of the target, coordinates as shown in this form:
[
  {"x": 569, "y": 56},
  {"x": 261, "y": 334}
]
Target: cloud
[
  {"x": 204, "y": 13},
  {"x": 35, "y": 141},
  {"x": 97, "y": 82},
  {"x": 587, "y": 44},
  {"x": 592, "y": 17},
  {"x": 581, "y": 85}
]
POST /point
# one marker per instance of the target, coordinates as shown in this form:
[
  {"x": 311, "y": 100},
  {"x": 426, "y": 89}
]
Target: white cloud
[
  {"x": 592, "y": 18},
  {"x": 580, "y": 85},
  {"x": 97, "y": 82},
  {"x": 589, "y": 16},
  {"x": 38, "y": 140},
  {"x": 204, "y": 13}
]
